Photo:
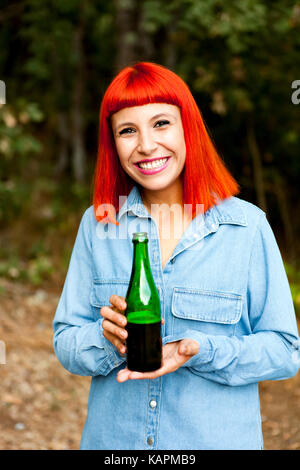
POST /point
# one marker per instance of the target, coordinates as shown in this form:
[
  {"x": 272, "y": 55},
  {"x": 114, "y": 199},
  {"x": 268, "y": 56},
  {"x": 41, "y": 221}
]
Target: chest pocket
[
  {"x": 207, "y": 311},
  {"x": 102, "y": 291}
]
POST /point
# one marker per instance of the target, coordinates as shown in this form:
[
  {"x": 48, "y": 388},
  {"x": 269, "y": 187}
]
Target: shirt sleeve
[
  {"x": 268, "y": 353},
  {"x": 78, "y": 340}
]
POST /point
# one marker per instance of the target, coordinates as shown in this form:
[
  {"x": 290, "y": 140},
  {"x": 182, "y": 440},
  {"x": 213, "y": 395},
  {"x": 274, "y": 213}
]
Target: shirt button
[
  {"x": 150, "y": 441},
  {"x": 153, "y": 403}
]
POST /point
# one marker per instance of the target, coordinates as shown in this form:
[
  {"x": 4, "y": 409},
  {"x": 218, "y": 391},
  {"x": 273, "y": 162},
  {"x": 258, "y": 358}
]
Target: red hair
[{"x": 205, "y": 177}]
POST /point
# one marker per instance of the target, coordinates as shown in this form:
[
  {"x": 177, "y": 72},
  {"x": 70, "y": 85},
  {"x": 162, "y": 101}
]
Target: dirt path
[{"x": 44, "y": 407}]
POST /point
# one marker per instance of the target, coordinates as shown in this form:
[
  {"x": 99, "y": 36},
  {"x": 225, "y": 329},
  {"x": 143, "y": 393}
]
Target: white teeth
[{"x": 154, "y": 164}]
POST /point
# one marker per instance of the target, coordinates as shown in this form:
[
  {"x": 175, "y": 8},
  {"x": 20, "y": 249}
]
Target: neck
[
  {"x": 167, "y": 196},
  {"x": 166, "y": 208}
]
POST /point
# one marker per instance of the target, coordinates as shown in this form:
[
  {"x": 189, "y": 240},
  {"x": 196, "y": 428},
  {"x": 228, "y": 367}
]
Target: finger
[
  {"x": 113, "y": 316},
  {"x": 118, "y": 301},
  {"x": 126, "y": 374},
  {"x": 165, "y": 369},
  {"x": 114, "y": 329},
  {"x": 162, "y": 320},
  {"x": 123, "y": 375},
  {"x": 188, "y": 347},
  {"x": 121, "y": 345},
  {"x": 115, "y": 341},
  {"x": 170, "y": 365},
  {"x": 133, "y": 375}
]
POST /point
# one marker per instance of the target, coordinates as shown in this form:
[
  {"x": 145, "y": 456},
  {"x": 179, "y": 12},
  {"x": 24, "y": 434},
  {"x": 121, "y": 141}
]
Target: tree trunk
[
  {"x": 279, "y": 189},
  {"x": 78, "y": 146},
  {"x": 125, "y": 11},
  {"x": 171, "y": 52},
  {"x": 170, "y": 49},
  {"x": 63, "y": 128},
  {"x": 146, "y": 49},
  {"x": 257, "y": 166},
  {"x": 63, "y": 150}
]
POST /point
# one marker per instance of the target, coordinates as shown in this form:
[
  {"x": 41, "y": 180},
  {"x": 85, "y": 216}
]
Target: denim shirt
[{"x": 224, "y": 286}]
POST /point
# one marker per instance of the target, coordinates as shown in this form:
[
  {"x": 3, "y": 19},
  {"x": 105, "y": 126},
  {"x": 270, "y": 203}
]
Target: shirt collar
[
  {"x": 228, "y": 211},
  {"x": 133, "y": 203}
]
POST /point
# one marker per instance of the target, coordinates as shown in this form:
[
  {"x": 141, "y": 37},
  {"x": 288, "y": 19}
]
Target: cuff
[
  {"x": 114, "y": 358},
  {"x": 93, "y": 338},
  {"x": 205, "y": 353}
]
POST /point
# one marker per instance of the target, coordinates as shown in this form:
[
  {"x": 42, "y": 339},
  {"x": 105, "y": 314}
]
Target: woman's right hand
[{"x": 114, "y": 322}]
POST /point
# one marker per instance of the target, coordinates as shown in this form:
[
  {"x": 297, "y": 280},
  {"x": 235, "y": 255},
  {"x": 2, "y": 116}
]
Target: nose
[{"x": 146, "y": 143}]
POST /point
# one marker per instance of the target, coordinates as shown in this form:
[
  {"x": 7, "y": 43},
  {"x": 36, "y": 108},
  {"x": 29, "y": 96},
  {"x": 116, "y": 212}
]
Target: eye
[
  {"x": 162, "y": 123},
  {"x": 127, "y": 130}
]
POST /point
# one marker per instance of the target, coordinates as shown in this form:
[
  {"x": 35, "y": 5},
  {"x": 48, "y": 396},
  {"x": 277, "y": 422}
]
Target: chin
[{"x": 155, "y": 186}]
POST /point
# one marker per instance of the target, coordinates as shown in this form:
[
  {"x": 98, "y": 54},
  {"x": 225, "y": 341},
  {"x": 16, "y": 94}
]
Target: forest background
[{"x": 241, "y": 62}]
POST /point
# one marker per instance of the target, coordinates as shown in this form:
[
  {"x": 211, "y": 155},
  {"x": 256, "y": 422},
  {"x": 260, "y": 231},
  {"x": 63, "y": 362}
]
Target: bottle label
[{"x": 143, "y": 317}]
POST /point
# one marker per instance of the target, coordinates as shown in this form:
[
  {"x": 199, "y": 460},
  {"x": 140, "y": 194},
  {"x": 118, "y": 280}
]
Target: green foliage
[
  {"x": 293, "y": 274},
  {"x": 238, "y": 58},
  {"x": 17, "y": 144},
  {"x": 36, "y": 271}
]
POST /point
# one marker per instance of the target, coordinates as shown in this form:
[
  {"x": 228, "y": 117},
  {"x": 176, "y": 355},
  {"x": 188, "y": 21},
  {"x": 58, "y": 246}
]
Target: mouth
[{"x": 150, "y": 167}]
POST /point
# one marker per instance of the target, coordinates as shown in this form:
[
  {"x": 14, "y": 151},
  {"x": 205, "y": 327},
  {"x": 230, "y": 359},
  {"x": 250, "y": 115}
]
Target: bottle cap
[{"x": 140, "y": 236}]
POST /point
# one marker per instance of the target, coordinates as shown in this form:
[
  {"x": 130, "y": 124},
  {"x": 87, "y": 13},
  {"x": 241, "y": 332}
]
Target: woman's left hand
[{"x": 174, "y": 355}]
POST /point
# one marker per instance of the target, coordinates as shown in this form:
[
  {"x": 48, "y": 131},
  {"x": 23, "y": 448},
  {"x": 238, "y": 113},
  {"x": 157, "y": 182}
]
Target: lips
[{"x": 152, "y": 171}]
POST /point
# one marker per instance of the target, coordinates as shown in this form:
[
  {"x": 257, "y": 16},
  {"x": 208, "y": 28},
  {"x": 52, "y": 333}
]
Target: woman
[{"x": 228, "y": 313}]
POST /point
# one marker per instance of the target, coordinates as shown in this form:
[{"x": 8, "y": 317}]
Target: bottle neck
[
  {"x": 140, "y": 256},
  {"x": 143, "y": 304}
]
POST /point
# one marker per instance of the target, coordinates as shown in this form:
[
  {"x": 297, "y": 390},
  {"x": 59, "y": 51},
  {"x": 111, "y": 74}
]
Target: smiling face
[{"x": 150, "y": 143}]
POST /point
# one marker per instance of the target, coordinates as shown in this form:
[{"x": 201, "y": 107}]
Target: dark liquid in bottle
[{"x": 143, "y": 346}]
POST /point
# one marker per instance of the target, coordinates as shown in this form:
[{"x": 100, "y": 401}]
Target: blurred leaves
[
  {"x": 35, "y": 271},
  {"x": 17, "y": 145},
  {"x": 238, "y": 58},
  {"x": 294, "y": 280}
]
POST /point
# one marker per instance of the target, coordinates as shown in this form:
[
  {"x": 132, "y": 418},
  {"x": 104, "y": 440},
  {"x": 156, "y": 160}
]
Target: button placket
[{"x": 154, "y": 391}]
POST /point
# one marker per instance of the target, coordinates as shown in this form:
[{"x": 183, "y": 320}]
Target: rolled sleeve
[
  {"x": 268, "y": 352},
  {"x": 78, "y": 340}
]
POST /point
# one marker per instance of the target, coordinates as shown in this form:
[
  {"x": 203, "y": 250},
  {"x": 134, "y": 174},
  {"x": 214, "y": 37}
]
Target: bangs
[
  {"x": 205, "y": 176},
  {"x": 137, "y": 87}
]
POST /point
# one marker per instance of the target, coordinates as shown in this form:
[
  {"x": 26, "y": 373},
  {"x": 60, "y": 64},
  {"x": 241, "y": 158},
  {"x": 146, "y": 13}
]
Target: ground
[{"x": 44, "y": 407}]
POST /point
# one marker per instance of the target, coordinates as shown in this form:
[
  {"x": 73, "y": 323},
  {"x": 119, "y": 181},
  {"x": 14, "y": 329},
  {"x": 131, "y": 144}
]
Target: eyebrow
[{"x": 152, "y": 119}]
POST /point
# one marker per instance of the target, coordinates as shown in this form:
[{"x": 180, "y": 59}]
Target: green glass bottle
[{"x": 144, "y": 346}]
